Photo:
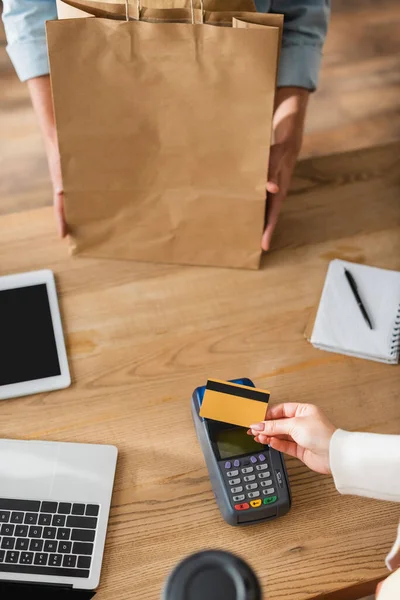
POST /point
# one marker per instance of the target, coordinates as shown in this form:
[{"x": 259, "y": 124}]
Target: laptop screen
[{"x": 28, "y": 348}]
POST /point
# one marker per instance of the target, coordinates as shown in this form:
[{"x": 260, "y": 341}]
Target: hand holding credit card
[{"x": 233, "y": 403}]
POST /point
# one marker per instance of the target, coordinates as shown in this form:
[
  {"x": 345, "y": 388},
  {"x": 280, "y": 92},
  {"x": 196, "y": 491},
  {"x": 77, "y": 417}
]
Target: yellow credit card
[{"x": 233, "y": 403}]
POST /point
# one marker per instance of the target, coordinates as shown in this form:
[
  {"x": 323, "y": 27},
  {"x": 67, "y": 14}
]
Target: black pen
[{"x": 354, "y": 289}]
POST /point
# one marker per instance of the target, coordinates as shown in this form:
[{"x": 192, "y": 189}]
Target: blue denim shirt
[{"x": 305, "y": 29}]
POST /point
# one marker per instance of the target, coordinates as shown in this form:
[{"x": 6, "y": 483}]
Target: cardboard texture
[
  {"x": 164, "y": 130},
  {"x": 117, "y": 10},
  {"x": 233, "y": 403}
]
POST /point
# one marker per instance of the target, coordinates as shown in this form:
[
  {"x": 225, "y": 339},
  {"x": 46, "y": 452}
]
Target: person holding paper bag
[
  {"x": 303, "y": 431},
  {"x": 304, "y": 34}
]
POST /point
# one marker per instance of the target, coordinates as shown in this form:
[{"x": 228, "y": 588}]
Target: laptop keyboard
[{"x": 47, "y": 538}]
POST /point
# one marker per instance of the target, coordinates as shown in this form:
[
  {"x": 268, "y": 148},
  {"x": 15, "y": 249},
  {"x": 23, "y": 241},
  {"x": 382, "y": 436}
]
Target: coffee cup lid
[{"x": 212, "y": 575}]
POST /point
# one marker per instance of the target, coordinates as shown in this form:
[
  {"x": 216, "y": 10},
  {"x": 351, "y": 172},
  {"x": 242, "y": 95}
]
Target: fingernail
[{"x": 257, "y": 427}]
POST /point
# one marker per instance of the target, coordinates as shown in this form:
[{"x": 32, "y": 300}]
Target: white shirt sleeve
[
  {"x": 368, "y": 464},
  {"x": 354, "y": 457}
]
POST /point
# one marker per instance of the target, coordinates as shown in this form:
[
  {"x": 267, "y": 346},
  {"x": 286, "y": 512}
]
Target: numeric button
[
  {"x": 262, "y": 467},
  {"x": 247, "y": 470},
  {"x": 248, "y": 478},
  {"x": 264, "y": 475},
  {"x": 233, "y": 473},
  {"x": 237, "y": 490},
  {"x": 238, "y": 498},
  {"x": 251, "y": 486},
  {"x": 253, "y": 494},
  {"x": 234, "y": 481}
]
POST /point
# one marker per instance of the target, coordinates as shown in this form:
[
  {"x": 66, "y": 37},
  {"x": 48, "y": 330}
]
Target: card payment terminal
[{"x": 249, "y": 480}]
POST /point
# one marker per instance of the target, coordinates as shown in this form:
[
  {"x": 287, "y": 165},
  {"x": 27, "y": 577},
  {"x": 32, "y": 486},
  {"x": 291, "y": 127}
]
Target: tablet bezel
[{"x": 36, "y": 386}]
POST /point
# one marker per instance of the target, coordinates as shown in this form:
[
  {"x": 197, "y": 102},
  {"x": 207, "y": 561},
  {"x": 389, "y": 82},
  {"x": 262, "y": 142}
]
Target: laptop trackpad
[
  {"x": 26, "y": 469},
  {"x": 37, "y": 470}
]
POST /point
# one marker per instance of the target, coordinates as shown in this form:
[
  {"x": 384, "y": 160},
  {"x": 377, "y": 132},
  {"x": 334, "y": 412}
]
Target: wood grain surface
[
  {"x": 357, "y": 101},
  {"x": 142, "y": 337}
]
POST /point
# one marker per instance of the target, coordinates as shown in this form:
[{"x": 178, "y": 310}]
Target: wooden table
[{"x": 141, "y": 337}]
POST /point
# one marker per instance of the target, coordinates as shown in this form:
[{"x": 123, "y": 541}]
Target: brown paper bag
[
  {"x": 164, "y": 130},
  {"x": 116, "y": 9}
]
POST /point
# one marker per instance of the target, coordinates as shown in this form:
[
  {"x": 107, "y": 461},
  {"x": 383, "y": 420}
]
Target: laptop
[{"x": 54, "y": 507}]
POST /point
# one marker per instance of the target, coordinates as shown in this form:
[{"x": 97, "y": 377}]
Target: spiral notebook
[{"x": 339, "y": 325}]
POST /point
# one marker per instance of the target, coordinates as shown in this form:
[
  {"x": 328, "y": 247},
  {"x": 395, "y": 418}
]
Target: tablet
[{"x": 32, "y": 349}]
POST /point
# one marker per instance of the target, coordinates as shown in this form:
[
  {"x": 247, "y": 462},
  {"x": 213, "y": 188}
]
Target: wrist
[
  {"x": 40, "y": 91},
  {"x": 289, "y": 117},
  {"x": 51, "y": 145},
  {"x": 53, "y": 160},
  {"x": 331, "y": 433}
]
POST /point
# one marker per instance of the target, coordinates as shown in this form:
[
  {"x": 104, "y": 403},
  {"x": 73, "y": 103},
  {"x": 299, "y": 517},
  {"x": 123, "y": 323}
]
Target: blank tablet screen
[{"x": 28, "y": 348}]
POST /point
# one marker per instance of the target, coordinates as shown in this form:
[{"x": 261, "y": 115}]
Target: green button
[{"x": 270, "y": 500}]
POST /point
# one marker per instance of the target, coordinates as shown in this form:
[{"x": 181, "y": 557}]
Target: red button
[{"x": 244, "y": 506}]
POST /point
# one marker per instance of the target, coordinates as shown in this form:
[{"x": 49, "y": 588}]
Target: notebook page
[{"x": 339, "y": 323}]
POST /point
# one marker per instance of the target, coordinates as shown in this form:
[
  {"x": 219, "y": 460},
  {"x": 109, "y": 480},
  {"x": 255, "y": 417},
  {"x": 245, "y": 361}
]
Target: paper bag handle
[{"x": 138, "y": 5}]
